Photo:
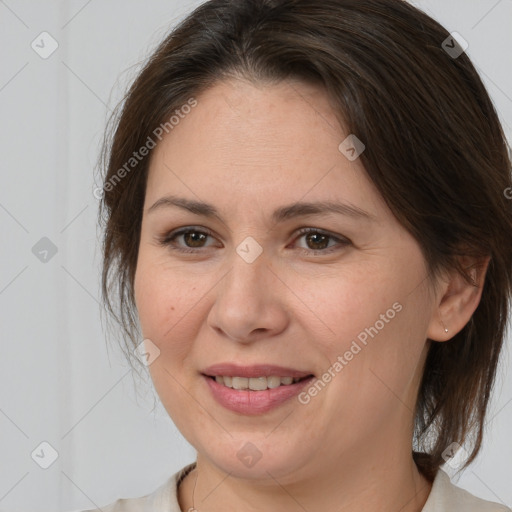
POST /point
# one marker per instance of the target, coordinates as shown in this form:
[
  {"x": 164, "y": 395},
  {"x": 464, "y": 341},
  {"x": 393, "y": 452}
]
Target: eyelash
[{"x": 168, "y": 240}]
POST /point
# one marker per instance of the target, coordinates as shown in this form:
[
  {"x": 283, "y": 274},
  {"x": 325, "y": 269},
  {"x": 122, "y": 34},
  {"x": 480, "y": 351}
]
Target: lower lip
[{"x": 254, "y": 402}]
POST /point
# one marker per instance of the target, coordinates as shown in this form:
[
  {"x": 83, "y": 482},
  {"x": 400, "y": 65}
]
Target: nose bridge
[
  {"x": 243, "y": 304},
  {"x": 249, "y": 265}
]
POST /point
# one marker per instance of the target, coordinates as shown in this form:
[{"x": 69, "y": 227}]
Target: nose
[{"x": 250, "y": 301}]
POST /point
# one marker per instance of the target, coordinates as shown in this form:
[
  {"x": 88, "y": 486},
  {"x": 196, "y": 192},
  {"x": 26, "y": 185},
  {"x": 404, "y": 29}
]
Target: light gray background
[{"x": 58, "y": 381}]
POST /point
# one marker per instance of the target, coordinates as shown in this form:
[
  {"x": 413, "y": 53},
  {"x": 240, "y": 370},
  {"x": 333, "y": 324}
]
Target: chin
[{"x": 257, "y": 460}]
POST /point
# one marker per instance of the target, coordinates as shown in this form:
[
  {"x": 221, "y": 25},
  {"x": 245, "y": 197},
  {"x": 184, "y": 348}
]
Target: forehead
[
  {"x": 250, "y": 118},
  {"x": 269, "y": 141}
]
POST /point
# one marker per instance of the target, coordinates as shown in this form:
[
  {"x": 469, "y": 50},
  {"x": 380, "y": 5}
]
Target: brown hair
[{"x": 435, "y": 150}]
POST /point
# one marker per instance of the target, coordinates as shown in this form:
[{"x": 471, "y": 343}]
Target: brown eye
[
  {"x": 318, "y": 241},
  {"x": 194, "y": 238}
]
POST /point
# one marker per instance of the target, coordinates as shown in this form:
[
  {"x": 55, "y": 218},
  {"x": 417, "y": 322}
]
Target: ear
[{"x": 457, "y": 300}]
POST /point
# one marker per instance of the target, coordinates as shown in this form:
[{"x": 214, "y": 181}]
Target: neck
[{"x": 398, "y": 485}]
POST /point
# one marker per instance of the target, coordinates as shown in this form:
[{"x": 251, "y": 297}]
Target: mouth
[
  {"x": 254, "y": 378},
  {"x": 256, "y": 383},
  {"x": 254, "y": 390}
]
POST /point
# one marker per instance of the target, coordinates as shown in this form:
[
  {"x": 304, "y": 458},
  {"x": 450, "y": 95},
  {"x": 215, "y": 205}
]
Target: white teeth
[
  {"x": 273, "y": 382},
  {"x": 240, "y": 383},
  {"x": 258, "y": 383},
  {"x": 255, "y": 383}
]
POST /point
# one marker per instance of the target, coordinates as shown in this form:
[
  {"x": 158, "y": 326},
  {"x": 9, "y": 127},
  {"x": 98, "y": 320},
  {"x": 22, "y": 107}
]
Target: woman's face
[{"x": 348, "y": 303}]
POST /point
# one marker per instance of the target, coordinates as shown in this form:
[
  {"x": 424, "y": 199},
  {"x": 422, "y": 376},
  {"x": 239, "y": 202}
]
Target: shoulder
[
  {"x": 162, "y": 499},
  {"x": 446, "y": 496}
]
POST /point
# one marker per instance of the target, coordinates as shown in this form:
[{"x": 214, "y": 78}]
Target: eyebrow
[{"x": 281, "y": 214}]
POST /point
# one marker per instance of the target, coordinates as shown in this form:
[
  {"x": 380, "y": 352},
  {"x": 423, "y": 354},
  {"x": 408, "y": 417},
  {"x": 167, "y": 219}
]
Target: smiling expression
[{"x": 262, "y": 244}]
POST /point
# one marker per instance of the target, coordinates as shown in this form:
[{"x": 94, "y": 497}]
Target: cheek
[
  {"x": 162, "y": 294},
  {"x": 346, "y": 305},
  {"x": 166, "y": 315},
  {"x": 379, "y": 352},
  {"x": 163, "y": 299},
  {"x": 154, "y": 304},
  {"x": 377, "y": 321},
  {"x": 172, "y": 303}
]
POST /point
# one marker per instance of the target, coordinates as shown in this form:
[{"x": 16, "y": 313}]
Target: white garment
[{"x": 444, "y": 497}]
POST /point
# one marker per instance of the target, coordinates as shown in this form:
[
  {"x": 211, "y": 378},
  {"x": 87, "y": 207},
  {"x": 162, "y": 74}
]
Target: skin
[{"x": 248, "y": 149}]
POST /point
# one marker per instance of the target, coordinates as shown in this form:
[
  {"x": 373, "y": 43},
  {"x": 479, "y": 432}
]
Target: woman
[{"x": 305, "y": 221}]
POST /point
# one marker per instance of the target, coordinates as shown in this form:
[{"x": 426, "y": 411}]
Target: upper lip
[{"x": 257, "y": 370}]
